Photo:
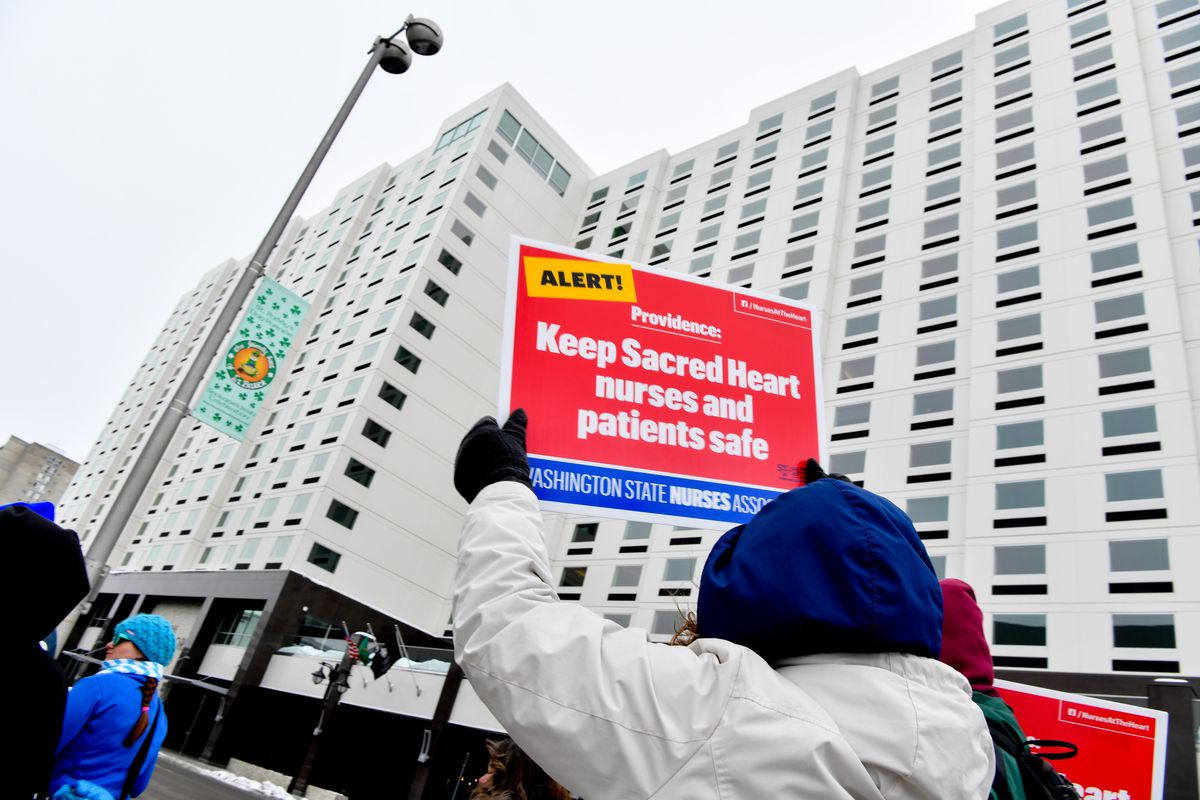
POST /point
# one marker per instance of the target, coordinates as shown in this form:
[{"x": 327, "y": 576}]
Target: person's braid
[{"x": 139, "y": 727}]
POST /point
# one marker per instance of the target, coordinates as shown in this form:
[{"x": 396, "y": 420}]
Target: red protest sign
[
  {"x": 654, "y": 395},
  {"x": 1122, "y": 748}
]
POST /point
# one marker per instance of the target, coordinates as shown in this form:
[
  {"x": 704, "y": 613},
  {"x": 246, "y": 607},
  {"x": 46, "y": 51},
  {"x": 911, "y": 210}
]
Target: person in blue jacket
[{"x": 111, "y": 714}]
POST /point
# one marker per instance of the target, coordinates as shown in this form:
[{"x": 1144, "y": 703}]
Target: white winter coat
[{"x": 610, "y": 714}]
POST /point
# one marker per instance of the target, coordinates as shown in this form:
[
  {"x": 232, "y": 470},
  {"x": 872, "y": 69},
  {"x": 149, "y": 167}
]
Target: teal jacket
[{"x": 1008, "y": 777}]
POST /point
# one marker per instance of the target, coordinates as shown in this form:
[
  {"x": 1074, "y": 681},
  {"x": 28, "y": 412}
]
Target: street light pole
[
  {"x": 425, "y": 38},
  {"x": 338, "y": 678}
]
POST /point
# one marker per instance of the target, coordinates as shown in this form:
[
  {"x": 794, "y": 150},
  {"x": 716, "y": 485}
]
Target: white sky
[{"x": 144, "y": 142}]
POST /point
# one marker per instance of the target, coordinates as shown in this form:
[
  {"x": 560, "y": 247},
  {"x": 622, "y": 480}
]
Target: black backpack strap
[
  {"x": 1004, "y": 740},
  {"x": 1068, "y": 749},
  {"x": 135, "y": 769}
]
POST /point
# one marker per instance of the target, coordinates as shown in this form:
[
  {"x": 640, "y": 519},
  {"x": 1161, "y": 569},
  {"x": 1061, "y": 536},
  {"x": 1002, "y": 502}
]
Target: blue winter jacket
[{"x": 101, "y": 710}]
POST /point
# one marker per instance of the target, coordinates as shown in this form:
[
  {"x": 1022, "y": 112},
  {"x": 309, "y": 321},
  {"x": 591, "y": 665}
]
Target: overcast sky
[{"x": 145, "y": 142}]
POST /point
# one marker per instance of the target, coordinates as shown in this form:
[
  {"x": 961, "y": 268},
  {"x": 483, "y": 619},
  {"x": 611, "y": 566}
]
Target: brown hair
[
  {"x": 139, "y": 727},
  {"x": 515, "y": 776},
  {"x": 687, "y": 632}
]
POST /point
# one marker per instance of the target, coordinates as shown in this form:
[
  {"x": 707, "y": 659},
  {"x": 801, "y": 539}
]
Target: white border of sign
[
  {"x": 506, "y": 358},
  {"x": 1160, "y": 726}
]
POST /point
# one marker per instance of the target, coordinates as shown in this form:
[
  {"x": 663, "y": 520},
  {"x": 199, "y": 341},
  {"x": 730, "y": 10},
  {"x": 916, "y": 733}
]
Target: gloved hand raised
[
  {"x": 489, "y": 454},
  {"x": 812, "y": 472}
]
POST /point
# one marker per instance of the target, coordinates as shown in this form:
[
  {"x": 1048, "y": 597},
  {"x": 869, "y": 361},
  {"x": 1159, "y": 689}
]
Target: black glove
[
  {"x": 490, "y": 454},
  {"x": 813, "y": 473}
]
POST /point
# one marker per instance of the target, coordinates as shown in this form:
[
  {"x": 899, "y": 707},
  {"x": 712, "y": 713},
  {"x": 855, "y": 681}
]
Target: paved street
[{"x": 175, "y": 781}]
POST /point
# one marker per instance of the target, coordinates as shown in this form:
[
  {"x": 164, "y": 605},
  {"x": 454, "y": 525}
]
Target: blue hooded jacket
[
  {"x": 101, "y": 710},
  {"x": 826, "y": 568}
]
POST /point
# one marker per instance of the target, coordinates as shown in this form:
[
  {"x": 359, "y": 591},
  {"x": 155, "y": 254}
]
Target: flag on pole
[{"x": 382, "y": 660}]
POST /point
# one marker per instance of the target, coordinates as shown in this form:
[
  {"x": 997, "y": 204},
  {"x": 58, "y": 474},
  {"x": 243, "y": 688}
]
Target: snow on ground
[{"x": 265, "y": 788}]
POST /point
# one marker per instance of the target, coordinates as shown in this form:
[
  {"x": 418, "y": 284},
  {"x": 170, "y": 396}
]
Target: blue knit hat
[
  {"x": 151, "y": 634},
  {"x": 826, "y": 568}
]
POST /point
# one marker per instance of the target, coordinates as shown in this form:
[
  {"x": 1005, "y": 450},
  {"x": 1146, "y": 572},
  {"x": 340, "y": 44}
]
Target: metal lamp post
[
  {"x": 339, "y": 684},
  {"x": 424, "y": 37}
]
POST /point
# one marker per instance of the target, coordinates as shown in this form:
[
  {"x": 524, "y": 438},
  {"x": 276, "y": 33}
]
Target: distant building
[
  {"x": 33, "y": 473},
  {"x": 1000, "y": 233}
]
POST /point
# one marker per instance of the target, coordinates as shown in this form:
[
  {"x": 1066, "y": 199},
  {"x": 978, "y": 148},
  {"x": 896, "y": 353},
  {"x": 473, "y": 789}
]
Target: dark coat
[{"x": 55, "y": 582}]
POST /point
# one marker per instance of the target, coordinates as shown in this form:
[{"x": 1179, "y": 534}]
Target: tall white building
[{"x": 999, "y": 232}]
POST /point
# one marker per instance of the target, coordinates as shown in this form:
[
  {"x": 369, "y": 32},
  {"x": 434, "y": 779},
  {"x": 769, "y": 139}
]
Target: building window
[
  {"x": 1101, "y": 134},
  {"x": 1023, "y": 237},
  {"x": 938, "y": 402},
  {"x": 1089, "y": 30},
  {"x": 393, "y": 396},
  {"x": 809, "y": 193},
  {"x": 1144, "y": 630},
  {"x": 1018, "y": 199},
  {"x": 679, "y": 569},
  {"x": 1138, "y": 485},
  {"x": 627, "y": 575},
  {"x": 856, "y": 414},
  {"x": 359, "y": 472},
  {"x": 1020, "y": 494},
  {"x": 936, "y": 353},
  {"x": 1020, "y": 559},
  {"x": 1124, "y": 362},
  {"x": 1100, "y": 95},
  {"x": 1014, "y": 58},
  {"x": 928, "y": 509},
  {"x": 342, "y": 514},
  {"x": 1116, "y": 260},
  {"x": 1138, "y": 555},
  {"x": 683, "y": 170},
  {"x": 869, "y": 251},
  {"x": 848, "y": 463},
  {"x": 475, "y": 204},
  {"x": 585, "y": 532},
  {"x": 1129, "y": 421},
  {"x": 1109, "y": 213},
  {"x": 1024, "y": 327},
  {"x": 376, "y": 433},
  {"x": 421, "y": 325},
  {"x": 865, "y": 289},
  {"x": 942, "y": 193},
  {"x": 1028, "y": 630},
  {"x": 666, "y": 622},
  {"x": 324, "y": 558},
  {"x": 946, "y": 65},
  {"x": 862, "y": 325},
  {"x": 1017, "y": 123},
  {"x": 465, "y": 234},
  {"x": 408, "y": 359},
  {"x": 822, "y": 105},
  {"x": 929, "y": 454},
  {"x": 1010, "y": 29},
  {"x": 885, "y": 89},
  {"x": 637, "y": 530},
  {"x": 1101, "y": 175},
  {"x": 236, "y": 628},
  {"x": 573, "y": 576}
]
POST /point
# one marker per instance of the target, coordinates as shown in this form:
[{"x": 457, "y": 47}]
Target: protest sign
[
  {"x": 653, "y": 395},
  {"x": 1122, "y": 748}
]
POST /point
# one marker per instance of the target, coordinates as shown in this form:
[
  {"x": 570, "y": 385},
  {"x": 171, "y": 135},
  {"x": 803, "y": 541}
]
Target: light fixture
[
  {"x": 318, "y": 675},
  {"x": 424, "y": 36}
]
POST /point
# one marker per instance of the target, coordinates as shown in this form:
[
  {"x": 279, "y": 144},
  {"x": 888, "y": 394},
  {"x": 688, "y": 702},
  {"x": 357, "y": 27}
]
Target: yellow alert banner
[{"x": 569, "y": 278}]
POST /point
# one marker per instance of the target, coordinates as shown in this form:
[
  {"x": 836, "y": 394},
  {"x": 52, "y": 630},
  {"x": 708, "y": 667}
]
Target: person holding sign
[{"x": 814, "y": 674}]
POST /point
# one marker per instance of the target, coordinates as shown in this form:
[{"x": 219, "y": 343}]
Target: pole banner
[
  {"x": 253, "y": 356},
  {"x": 654, "y": 395}
]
